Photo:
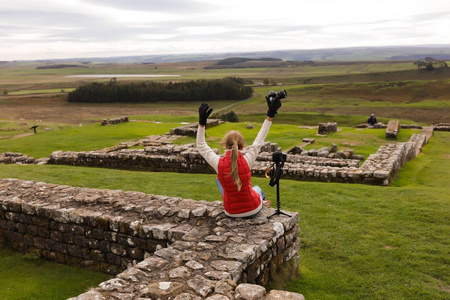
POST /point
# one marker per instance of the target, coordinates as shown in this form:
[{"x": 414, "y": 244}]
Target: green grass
[
  {"x": 42, "y": 91},
  {"x": 423, "y": 102},
  {"x": 313, "y": 119},
  {"x": 94, "y": 136},
  {"x": 8, "y": 129},
  {"x": 358, "y": 241},
  {"x": 84, "y": 138},
  {"x": 29, "y": 277}
]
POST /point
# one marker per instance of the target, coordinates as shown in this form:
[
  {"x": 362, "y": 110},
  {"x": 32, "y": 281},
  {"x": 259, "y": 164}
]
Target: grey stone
[
  {"x": 186, "y": 296},
  {"x": 218, "y": 297},
  {"x": 201, "y": 285},
  {"x": 163, "y": 290},
  {"x": 283, "y": 295},
  {"x": 180, "y": 272},
  {"x": 247, "y": 291},
  {"x": 194, "y": 265},
  {"x": 225, "y": 286}
]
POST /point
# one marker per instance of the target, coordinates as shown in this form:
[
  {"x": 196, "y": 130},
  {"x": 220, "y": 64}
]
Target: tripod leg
[{"x": 278, "y": 211}]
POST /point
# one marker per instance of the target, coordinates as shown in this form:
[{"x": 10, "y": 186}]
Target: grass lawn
[
  {"x": 30, "y": 277},
  {"x": 94, "y": 136},
  {"x": 358, "y": 241},
  {"x": 84, "y": 138},
  {"x": 43, "y": 91}
]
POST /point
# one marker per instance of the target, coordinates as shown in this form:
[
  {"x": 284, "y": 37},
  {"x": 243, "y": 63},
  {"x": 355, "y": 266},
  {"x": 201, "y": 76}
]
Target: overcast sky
[{"x": 45, "y": 29}]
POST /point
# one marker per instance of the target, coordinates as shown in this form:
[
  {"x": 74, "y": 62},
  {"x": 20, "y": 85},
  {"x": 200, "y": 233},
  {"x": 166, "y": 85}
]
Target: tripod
[{"x": 277, "y": 167}]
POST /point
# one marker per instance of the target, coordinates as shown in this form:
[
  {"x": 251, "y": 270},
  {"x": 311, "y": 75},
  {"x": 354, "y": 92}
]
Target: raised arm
[
  {"x": 208, "y": 154},
  {"x": 273, "y": 105}
]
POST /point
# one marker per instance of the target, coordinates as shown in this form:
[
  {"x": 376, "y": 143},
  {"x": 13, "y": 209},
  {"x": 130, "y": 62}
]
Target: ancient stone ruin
[
  {"x": 441, "y": 127},
  {"x": 392, "y": 129},
  {"x": 191, "y": 129},
  {"x": 326, "y": 164},
  {"x": 114, "y": 121},
  {"x": 379, "y": 168},
  {"x": 326, "y": 128},
  {"x": 384, "y": 126},
  {"x": 326, "y": 152},
  {"x": 20, "y": 158},
  {"x": 158, "y": 247},
  {"x": 378, "y": 125}
]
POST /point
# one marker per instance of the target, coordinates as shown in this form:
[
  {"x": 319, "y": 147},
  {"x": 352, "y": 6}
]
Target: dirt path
[
  {"x": 240, "y": 102},
  {"x": 21, "y": 135}
]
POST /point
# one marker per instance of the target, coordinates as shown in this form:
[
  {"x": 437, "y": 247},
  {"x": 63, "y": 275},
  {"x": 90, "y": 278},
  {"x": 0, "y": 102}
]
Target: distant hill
[
  {"x": 60, "y": 66},
  {"x": 441, "y": 52}
]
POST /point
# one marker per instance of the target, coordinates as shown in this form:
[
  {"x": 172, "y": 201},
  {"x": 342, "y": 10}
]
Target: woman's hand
[
  {"x": 273, "y": 104},
  {"x": 203, "y": 113}
]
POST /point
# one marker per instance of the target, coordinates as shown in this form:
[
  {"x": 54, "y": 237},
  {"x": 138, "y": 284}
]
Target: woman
[{"x": 234, "y": 169}]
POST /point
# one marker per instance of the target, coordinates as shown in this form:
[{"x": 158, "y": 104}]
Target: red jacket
[{"x": 245, "y": 202}]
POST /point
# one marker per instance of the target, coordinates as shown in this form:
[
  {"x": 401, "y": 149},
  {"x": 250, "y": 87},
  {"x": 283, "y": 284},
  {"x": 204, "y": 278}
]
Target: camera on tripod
[
  {"x": 275, "y": 171},
  {"x": 281, "y": 95},
  {"x": 279, "y": 157}
]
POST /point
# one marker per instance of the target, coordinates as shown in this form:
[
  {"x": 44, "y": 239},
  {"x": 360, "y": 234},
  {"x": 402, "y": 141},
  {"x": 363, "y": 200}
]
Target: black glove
[
  {"x": 203, "y": 113},
  {"x": 273, "y": 105}
]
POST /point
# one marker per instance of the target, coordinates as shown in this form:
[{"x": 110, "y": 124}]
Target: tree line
[
  {"x": 431, "y": 64},
  {"x": 229, "y": 88}
]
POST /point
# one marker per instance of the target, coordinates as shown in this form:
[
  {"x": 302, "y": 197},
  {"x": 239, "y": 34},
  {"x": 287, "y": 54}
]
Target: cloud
[
  {"x": 173, "y": 6},
  {"x": 71, "y": 28}
]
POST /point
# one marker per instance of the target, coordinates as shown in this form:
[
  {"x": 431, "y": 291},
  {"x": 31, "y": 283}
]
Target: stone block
[
  {"x": 283, "y": 295},
  {"x": 392, "y": 129},
  {"x": 246, "y": 291}
]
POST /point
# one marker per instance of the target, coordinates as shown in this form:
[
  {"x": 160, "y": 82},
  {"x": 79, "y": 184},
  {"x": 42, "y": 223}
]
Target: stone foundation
[
  {"x": 378, "y": 169},
  {"x": 20, "y": 158},
  {"x": 186, "y": 159},
  {"x": 114, "y": 121},
  {"x": 159, "y": 247},
  {"x": 442, "y": 127},
  {"x": 384, "y": 126},
  {"x": 326, "y": 128},
  {"x": 14, "y": 157},
  {"x": 191, "y": 129},
  {"x": 410, "y": 126}
]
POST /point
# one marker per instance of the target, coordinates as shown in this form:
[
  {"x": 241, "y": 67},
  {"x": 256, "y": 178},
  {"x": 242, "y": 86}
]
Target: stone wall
[
  {"x": 158, "y": 246},
  {"x": 20, "y": 158},
  {"x": 326, "y": 152},
  {"x": 14, "y": 157},
  {"x": 191, "y": 129},
  {"x": 384, "y": 126},
  {"x": 442, "y": 127},
  {"x": 166, "y": 158},
  {"x": 114, "y": 121},
  {"x": 410, "y": 126},
  {"x": 376, "y": 126},
  {"x": 379, "y": 168}
]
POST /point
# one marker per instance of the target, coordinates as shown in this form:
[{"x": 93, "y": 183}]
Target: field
[{"x": 357, "y": 241}]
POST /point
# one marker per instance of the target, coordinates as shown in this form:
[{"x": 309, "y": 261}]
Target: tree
[{"x": 429, "y": 66}]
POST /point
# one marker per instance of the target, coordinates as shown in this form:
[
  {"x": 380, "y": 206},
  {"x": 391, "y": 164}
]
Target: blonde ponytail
[
  {"x": 234, "y": 141},
  {"x": 234, "y": 166}
]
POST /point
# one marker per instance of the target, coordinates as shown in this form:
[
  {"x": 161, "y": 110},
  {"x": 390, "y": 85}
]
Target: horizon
[
  {"x": 52, "y": 29},
  {"x": 227, "y": 54}
]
